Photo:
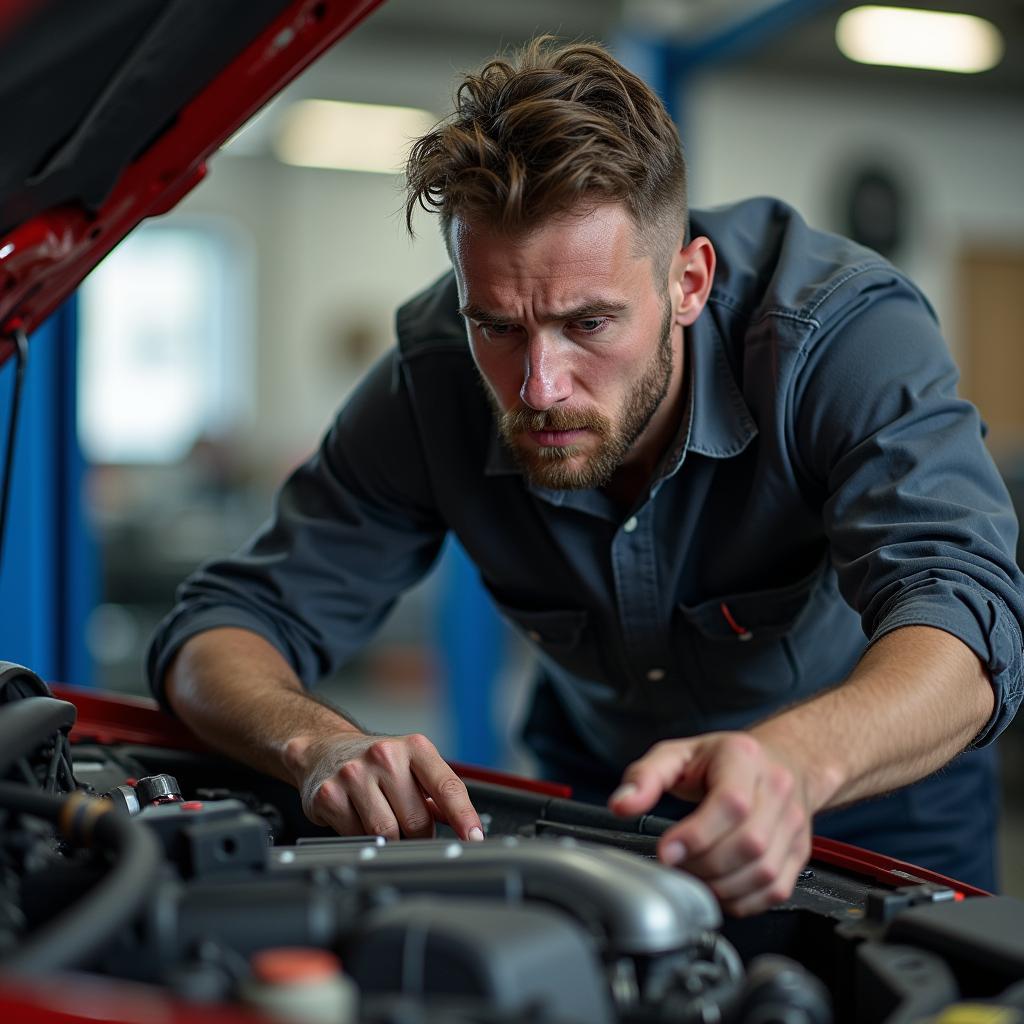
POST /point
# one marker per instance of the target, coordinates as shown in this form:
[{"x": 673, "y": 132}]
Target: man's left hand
[{"x": 749, "y": 837}]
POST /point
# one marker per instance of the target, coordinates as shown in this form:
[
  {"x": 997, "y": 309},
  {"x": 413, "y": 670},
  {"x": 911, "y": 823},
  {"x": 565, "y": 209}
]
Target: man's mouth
[{"x": 557, "y": 438}]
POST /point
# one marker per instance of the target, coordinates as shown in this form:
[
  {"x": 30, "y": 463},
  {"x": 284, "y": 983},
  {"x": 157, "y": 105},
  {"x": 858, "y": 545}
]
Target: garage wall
[
  {"x": 795, "y": 139},
  {"x": 332, "y": 262},
  {"x": 333, "y": 258}
]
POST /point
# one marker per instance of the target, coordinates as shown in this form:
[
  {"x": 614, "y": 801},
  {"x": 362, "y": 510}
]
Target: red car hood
[{"x": 111, "y": 112}]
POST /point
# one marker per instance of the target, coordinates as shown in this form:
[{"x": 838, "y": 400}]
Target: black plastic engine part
[
  {"x": 900, "y": 984},
  {"x": 516, "y": 959},
  {"x": 183, "y": 922},
  {"x": 979, "y": 937},
  {"x": 884, "y": 904},
  {"x": 216, "y": 838}
]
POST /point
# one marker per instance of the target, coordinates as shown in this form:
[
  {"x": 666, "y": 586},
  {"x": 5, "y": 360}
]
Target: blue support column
[
  {"x": 736, "y": 38},
  {"x": 472, "y": 641},
  {"x": 667, "y": 64},
  {"x": 48, "y": 576}
]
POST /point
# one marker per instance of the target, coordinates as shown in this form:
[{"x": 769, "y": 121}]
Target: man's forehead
[
  {"x": 569, "y": 289},
  {"x": 608, "y": 222}
]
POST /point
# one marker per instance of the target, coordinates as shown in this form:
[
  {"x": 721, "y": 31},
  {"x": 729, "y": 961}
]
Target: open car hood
[{"x": 111, "y": 111}]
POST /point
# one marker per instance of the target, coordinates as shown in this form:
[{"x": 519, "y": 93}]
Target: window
[{"x": 165, "y": 354}]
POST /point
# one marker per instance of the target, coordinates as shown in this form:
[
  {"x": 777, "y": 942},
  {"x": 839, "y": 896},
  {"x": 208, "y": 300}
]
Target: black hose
[
  {"x": 26, "y": 724},
  {"x": 76, "y": 937}
]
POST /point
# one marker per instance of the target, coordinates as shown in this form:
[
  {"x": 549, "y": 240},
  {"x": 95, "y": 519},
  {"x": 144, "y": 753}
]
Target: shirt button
[
  {"x": 630, "y": 524},
  {"x": 535, "y": 636},
  {"x": 656, "y": 675}
]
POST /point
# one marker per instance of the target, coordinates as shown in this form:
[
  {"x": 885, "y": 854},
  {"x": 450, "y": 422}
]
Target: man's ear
[{"x": 691, "y": 274}]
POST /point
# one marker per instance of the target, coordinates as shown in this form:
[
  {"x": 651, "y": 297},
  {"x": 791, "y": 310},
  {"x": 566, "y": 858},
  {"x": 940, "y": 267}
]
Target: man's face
[{"x": 574, "y": 341}]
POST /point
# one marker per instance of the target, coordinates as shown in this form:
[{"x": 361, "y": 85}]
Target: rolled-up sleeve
[
  {"x": 352, "y": 528},
  {"x": 920, "y": 525}
]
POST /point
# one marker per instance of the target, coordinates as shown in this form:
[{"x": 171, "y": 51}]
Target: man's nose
[{"x": 546, "y": 376}]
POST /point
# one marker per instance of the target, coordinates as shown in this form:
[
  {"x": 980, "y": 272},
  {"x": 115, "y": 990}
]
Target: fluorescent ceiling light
[
  {"x": 901, "y": 37},
  {"x": 349, "y": 136}
]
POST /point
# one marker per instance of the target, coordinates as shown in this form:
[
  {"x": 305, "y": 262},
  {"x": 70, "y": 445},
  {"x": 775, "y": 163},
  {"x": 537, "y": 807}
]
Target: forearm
[
  {"x": 237, "y": 693},
  {"x": 916, "y": 700}
]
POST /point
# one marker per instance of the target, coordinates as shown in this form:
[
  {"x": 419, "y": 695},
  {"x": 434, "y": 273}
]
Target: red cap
[{"x": 290, "y": 965}]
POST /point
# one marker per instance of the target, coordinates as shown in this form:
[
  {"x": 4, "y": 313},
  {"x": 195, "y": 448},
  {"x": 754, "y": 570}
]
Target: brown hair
[{"x": 541, "y": 133}]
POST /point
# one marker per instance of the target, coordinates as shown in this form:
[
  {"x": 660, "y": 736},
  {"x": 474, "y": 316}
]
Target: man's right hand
[
  {"x": 392, "y": 786},
  {"x": 236, "y": 692}
]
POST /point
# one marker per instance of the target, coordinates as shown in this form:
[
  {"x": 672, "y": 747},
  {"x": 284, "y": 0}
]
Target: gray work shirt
[{"x": 827, "y": 488}]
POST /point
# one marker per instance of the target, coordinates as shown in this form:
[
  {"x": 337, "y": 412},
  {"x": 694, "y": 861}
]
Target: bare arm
[
  {"x": 915, "y": 701},
  {"x": 237, "y": 693}
]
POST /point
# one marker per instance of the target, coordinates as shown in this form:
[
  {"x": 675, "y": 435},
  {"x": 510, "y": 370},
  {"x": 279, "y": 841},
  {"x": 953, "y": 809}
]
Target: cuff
[
  {"x": 170, "y": 639},
  {"x": 980, "y": 619}
]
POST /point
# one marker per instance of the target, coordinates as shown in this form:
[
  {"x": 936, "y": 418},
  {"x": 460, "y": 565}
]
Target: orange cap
[{"x": 291, "y": 965}]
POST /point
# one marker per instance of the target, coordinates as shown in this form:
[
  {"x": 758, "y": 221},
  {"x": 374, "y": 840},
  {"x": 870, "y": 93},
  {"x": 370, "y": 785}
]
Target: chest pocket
[
  {"x": 742, "y": 647},
  {"x": 559, "y": 636}
]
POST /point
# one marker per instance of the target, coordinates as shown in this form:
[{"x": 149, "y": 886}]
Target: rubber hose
[
  {"x": 26, "y": 724},
  {"x": 76, "y": 937}
]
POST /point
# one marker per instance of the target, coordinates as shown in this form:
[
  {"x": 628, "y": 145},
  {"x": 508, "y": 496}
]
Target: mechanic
[{"x": 712, "y": 464}]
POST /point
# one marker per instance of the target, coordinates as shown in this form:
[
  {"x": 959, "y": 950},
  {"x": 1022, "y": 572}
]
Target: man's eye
[
  {"x": 590, "y": 325},
  {"x": 498, "y": 330}
]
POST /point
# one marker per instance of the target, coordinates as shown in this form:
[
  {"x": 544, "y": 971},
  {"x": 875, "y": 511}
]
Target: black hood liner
[{"x": 86, "y": 87}]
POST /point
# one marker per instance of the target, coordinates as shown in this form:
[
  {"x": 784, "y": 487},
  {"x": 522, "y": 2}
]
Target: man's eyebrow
[{"x": 588, "y": 309}]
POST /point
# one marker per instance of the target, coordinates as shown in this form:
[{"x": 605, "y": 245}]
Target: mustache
[{"x": 521, "y": 420}]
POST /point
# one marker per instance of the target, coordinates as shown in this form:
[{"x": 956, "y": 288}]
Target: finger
[
  {"x": 375, "y": 813},
  {"x": 445, "y": 788},
  {"x": 779, "y": 817},
  {"x": 762, "y": 837},
  {"x": 410, "y": 808},
  {"x": 435, "y": 811},
  {"x": 330, "y": 807},
  {"x": 359, "y": 780},
  {"x": 753, "y": 874},
  {"x": 387, "y": 762},
  {"x": 731, "y": 792},
  {"x": 773, "y": 894},
  {"x": 646, "y": 779}
]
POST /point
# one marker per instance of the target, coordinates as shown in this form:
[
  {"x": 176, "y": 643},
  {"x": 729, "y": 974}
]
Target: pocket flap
[
  {"x": 550, "y": 629},
  {"x": 755, "y": 614}
]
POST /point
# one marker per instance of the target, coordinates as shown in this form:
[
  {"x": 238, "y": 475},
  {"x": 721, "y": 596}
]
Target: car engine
[{"x": 127, "y": 864}]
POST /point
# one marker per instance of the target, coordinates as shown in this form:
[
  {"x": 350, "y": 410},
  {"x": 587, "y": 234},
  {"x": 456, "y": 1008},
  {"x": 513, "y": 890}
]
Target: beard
[{"x": 559, "y": 467}]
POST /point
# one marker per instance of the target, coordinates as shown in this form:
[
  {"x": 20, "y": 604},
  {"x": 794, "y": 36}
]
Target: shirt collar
[{"x": 719, "y": 425}]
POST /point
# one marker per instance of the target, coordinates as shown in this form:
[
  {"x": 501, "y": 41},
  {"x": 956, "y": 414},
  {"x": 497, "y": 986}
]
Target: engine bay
[{"x": 128, "y": 863}]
